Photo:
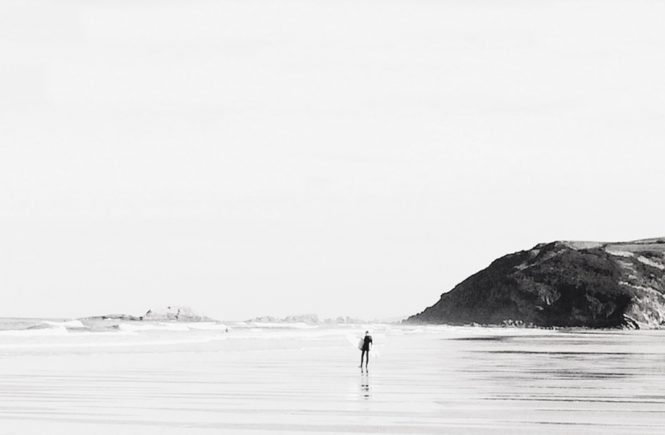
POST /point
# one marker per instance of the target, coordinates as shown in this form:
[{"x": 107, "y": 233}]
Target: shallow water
[{"x": 179, "y": 378}]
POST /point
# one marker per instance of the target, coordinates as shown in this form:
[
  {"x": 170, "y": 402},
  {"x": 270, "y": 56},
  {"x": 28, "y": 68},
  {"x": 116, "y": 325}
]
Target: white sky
[{"x": 336, "y": 157}]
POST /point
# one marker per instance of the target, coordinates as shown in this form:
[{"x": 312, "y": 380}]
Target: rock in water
[
  {"x": 584, "y": 284},
  {"x": 174, "y": 313}
]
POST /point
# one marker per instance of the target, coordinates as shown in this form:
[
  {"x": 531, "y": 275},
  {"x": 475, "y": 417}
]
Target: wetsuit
[{"x": 364, "y": 356}]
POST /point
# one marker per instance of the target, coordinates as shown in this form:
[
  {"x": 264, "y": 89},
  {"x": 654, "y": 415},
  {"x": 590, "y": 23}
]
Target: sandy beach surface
[{"x": 160, "y": 378}]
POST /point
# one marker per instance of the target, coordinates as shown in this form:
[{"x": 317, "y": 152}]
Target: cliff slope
[{"x": 586, "y": 284}]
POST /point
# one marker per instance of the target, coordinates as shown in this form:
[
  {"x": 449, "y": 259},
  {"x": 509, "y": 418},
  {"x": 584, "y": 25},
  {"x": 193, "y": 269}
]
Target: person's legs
[
  {"x": 362, "y": 358},
  {"x": 366, "y": 358}
]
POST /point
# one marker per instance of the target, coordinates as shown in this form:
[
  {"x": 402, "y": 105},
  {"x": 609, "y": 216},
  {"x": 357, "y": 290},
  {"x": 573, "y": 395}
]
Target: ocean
[{"x": 111, "y": 377}]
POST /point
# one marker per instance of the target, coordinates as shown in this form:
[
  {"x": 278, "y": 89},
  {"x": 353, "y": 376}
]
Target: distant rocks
[
  {"x": 175, "y": 313},
  {"x": 166, "y": 314},
  {"x": 301, "y": 318},
  {"x": 310, "y": 319},
  {"x": 344, "y": 320},
  {"x": 562, "y": 284},
  {"x": 126, "y": 317}
]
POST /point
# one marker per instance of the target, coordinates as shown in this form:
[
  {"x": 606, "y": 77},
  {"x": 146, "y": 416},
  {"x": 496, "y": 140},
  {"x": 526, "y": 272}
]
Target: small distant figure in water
[{"x": 366, "y": 344}]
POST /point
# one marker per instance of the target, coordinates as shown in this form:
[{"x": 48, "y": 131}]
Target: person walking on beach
[{"x": 364, "y": 348}]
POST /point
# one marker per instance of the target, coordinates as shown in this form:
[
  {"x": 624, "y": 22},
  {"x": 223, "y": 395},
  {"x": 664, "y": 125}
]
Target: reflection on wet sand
[
  {"x": 429, "y": 380},
  {"x": 364, "y": 386}
]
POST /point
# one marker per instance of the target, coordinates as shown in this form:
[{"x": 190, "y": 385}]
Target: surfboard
[{"x": 361, "y": 343}]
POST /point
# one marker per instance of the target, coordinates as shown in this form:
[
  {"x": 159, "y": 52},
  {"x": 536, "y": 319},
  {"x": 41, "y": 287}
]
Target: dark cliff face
[{"x": 583, "y": 284}]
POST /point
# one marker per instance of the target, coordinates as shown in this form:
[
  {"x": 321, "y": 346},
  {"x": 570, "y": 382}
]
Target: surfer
[{"x": 364, "y": 348}]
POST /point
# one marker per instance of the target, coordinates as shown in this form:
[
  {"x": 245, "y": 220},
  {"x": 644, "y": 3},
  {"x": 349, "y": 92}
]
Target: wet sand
[{"x": 432, "y": 380}]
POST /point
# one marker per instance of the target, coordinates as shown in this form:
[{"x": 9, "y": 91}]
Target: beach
[{"x": 168, "y": 378}]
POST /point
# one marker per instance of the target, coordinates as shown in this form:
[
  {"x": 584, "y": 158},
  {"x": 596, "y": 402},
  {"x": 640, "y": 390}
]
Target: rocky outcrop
[
  {"x": 126, "y": 317},
  {"x": 175, "y": 313},
  {"x": 310, "y": 319},
  {"x": 566, "y": 284},
  {"x": 171, "y": 313}
]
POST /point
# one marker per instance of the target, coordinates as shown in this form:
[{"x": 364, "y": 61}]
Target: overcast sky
[{"x": 317, "y": 156}]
